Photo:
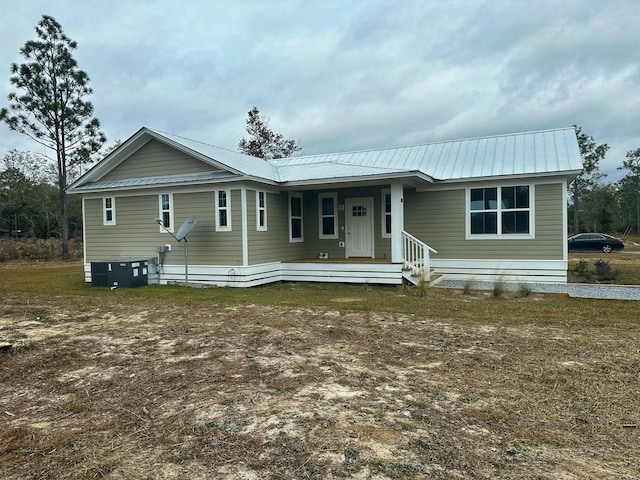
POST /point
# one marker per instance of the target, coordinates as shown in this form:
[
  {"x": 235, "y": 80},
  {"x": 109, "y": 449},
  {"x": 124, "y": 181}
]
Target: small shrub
[
  {"x": 422, "y": 288},
  {"x": 523, "y": 291},
  {"x": 581, "y": 272},
  {"x": 468, "y": 288},
  {"x": 582, "y": 268},
  {"x": 603, "y": 271},
  {"x": 498, "y": 288}
]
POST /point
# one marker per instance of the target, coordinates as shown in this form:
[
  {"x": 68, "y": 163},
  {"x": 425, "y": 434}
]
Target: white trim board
[{"x": 530, "y": 271}]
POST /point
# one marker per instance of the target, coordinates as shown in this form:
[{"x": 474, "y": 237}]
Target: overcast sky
[{"x": 348, "y": 75}]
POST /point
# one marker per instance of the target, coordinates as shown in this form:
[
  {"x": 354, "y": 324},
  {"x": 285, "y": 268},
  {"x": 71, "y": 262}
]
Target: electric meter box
[{"x": 120, "y": 273}]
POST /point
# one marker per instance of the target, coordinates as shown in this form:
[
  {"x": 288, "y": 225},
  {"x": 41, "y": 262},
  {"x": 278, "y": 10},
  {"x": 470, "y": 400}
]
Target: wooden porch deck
[
  {"x": 355, "y": 260},
  {"x": 342, "y": 270}
]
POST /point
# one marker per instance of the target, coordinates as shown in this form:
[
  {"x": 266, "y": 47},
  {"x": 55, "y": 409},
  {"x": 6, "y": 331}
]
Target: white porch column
[
  {"x": 245, "y": 233},
  {"x": 397, "y": 221}
]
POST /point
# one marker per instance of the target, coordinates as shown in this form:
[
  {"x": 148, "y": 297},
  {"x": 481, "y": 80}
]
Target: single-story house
[{"x": 489, "y": 208}]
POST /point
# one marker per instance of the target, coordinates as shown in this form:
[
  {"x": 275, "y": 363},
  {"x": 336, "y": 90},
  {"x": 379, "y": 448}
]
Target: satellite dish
[{"x": 186, "y": 227}]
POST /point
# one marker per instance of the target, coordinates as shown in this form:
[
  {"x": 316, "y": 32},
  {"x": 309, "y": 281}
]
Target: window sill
[{"x": 506, "y": 236}]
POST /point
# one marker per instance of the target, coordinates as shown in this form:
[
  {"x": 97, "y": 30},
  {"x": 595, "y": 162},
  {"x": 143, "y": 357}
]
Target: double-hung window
[
  {"x": 328, "y": 215},
  {"x": 261, "y": 211},
  {"x": 501, "y": 211},
  {"x": 295, "y": 217},
  {"x": 386, "y": 213},
  {"x": 108, "y": 211},
  {"x": 166, "y": 211},
  {"x": 223, "y": 210}
]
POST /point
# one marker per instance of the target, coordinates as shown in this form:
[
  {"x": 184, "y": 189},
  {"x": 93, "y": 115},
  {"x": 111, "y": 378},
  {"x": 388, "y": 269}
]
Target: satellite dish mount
[{"x": 183, "y": 234}]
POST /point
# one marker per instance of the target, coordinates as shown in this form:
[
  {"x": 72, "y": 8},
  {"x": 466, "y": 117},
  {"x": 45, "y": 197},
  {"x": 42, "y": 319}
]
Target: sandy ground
[{"x": 254, "y": 392}]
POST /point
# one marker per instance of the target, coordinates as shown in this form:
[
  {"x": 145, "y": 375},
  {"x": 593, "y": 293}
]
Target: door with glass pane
[{"x": 359, "y": 227}]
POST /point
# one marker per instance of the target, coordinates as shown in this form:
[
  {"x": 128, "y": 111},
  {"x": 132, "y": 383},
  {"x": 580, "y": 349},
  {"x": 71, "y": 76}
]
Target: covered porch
[{"x": 356, "y": 234}]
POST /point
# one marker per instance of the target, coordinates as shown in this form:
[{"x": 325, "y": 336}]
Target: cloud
[{"x": 342, "y": 76}]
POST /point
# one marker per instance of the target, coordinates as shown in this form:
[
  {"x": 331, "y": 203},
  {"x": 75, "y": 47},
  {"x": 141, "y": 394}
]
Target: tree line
[
  {"x": 598, "y": 206},
  {"x": 51, "y": 108}
]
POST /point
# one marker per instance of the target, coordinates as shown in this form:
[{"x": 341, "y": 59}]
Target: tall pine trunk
[{"x": 64, "y": 204}]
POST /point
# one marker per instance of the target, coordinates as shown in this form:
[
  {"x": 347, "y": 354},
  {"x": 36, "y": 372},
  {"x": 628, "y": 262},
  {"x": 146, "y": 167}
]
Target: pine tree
[
  {"x": 52, "y": 109},
  {"x": 591, "y": 154},
  {"x": 264, "y": 142}
]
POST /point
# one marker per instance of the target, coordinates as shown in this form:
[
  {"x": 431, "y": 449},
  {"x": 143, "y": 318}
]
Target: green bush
[{"x": 603, "y": 271}]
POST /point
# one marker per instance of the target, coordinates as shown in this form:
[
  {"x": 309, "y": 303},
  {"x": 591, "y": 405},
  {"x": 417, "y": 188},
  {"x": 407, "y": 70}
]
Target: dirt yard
[{"x": 140, "y": 389}]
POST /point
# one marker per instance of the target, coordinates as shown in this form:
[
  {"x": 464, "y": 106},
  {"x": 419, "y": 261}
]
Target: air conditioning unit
[{"x": 120, "y": 273}]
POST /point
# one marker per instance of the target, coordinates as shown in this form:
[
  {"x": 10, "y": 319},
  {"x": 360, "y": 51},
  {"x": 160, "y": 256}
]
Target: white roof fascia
[
  {"x": 360, "y": 178},
  {"x": 157, "y": 185},
  {"x": 503, "y": 178}
]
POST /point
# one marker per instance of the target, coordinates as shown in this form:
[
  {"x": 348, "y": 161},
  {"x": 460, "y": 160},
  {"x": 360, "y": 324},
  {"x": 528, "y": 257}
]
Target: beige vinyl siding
[
  {"x": 156, "y": 158},
  {"x": 206, "y": 246},
  {"x": 273, "y": 245},
  {"x": 136, "y": 232},
  {"x": 438, "y": 219}
]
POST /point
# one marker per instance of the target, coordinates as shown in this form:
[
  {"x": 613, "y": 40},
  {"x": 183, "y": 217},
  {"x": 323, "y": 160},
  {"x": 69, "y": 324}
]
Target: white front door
[{"x": 359, "y": 226}]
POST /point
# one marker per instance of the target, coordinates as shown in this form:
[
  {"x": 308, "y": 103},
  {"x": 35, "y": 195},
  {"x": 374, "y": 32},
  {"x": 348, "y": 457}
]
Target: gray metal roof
[
  {"x": 545, "y": 152},
  {"x": 234, "y": 160},
  {"x": 531, "y": 153},
  {"x": 187, "y": 178}
]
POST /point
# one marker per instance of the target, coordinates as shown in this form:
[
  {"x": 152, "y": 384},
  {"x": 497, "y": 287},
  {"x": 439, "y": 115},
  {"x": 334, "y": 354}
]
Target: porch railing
[{"x": 415, "y": 256}]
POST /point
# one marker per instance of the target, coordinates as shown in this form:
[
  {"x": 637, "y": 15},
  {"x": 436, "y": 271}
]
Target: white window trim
[
  {"x": 227, "y": 227},
  {"x": 105, "y": 210},
  {"x": 334, "y": 196},
  {"x": 384, "y": 193},
  {"x": 261, "y": 228},
  {"x": 501, "y": 236},
  {"x": 161, "y": 212},
  {"x": 301, "y": 239}
]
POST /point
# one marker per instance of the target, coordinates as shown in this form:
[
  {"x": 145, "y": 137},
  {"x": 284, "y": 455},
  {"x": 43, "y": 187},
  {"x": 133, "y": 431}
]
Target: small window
[
  {"x": 109, "y": 211},
  {"x": 386, "y": 213},
  {"x": 223, "y": 211},
  {"x": 261, "y": 211},
  {"x": 328, "y": 203},
  {"x": 359, "y": 211},
  {"x": 500, "y": 210},
  {"x": 295, "y": 217},
  {"x": 166, "y": 211}
]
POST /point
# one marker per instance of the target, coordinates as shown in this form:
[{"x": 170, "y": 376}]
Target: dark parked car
[{"x": 595, "y": 241}]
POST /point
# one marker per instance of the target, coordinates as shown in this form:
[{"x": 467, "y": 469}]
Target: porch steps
[{"x": 414, "y": 278}]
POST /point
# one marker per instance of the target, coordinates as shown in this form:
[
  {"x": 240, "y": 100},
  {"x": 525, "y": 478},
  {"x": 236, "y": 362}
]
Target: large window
[
  {"x": 223, "y": 211},
  {"x": 166, "y": 211},
  {"x": 328, "y": 215},
  {"x": 109, "y": 211},
  {"x": 386, "y": 213},
  {"x": 295, "y": 217},
  {"x": 500, "y": 211},
  {"x": 261, "y": 211}
]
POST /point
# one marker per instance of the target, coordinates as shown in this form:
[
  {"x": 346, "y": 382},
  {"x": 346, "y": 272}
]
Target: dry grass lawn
[{"x": 304, "y": 381}]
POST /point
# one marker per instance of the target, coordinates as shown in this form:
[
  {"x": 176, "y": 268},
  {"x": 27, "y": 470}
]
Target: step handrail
[{"x": 415, "y": 256}]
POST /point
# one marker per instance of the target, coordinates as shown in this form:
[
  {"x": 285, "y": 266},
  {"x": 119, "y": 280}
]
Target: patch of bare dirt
[{"x": 255, "y": 392}]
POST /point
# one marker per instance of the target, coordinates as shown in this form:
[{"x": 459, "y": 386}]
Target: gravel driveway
[{"x": 611, "y": 292}]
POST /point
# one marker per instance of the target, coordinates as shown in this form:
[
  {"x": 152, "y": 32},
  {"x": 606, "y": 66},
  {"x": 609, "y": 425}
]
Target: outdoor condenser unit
[{"x": 120, "y": 273}]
